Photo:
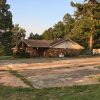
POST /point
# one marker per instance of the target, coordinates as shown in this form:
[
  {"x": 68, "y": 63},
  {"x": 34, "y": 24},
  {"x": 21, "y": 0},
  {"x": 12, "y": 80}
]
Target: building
[{"x": 48, "y": 48}]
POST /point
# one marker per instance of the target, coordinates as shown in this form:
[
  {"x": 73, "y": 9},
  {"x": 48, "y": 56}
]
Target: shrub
[
  {"x": 22, "y": 54},
  {"x": 85, "y": 52},
  {"x": 1, "y": 51}
]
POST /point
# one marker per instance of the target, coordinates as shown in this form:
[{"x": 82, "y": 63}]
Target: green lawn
[
  {"x": 88, "y": 92},
  {"x": 6, "y": 57},
  {"x": 10, "y": 58}
]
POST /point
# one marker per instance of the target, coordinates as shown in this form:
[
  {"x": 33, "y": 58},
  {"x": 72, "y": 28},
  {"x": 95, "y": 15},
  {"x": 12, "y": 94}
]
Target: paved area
[
  {"x": 44, "y": 73},
  {"x": 44, "y": 78}
]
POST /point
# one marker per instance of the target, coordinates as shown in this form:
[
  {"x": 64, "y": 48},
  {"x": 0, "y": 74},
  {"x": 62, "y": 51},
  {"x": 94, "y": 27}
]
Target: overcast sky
[{"x": 38, "y": 15}]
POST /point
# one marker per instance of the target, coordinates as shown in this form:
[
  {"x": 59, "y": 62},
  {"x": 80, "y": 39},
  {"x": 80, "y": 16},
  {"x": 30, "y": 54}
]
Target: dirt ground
[
  {"x": 10, "y": 80},
  {"x": 51, "y": 72}
]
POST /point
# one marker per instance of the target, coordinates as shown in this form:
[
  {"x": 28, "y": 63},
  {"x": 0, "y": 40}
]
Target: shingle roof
[
  {"x": 37, "y": 43},
  {"x": 45, "y": 43}
]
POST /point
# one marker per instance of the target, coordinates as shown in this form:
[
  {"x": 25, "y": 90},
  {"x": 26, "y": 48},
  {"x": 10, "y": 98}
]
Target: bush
[
  {"x": 72, "y": 52},
  {"x": 1, "y": 51},
  {"x": 85, "y": 52},
  {"x": 22, "y": 54}
]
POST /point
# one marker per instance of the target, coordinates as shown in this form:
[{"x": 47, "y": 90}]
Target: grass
[
  {"x": 11, "y": 58},
  {"x": 36, "y": 59},
  {"x": 6, "y": 57},
  {"x": 95, "y": 77},
  {"x": 88, "y": 92}
]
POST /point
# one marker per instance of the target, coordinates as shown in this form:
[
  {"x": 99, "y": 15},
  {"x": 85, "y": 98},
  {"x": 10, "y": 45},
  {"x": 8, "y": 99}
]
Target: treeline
[
  {"x": 60, "y": 30},
  {"x": 9, "y": 34},
  {"x": 79, "y": 27}
]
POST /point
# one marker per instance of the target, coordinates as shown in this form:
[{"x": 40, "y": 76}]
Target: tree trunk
[{"x": 91, "y": 44}]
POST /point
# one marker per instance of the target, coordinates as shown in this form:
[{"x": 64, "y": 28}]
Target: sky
[{"x": 38, "y": 15}]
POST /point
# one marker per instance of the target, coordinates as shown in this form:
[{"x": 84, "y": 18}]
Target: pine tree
[
  {"x": 18, "y": 34},
  {"x": 5, "y": 26},
  {"x": 87, "y": 22}
]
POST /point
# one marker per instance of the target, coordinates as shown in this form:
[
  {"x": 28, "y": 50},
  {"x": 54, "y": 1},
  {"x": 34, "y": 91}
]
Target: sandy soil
[
  {"x": 48, "y": 63},
  {"x": 10, "y": 80}
]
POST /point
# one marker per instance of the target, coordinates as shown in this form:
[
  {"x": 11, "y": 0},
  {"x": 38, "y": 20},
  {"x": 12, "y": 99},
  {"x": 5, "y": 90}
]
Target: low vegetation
[
  {"x": 6, "y": 57},
  {"x": 95, "y": 77},
  {"x": 88, "y": 92}
]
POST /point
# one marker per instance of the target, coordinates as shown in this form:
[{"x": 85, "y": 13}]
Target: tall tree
[
  {"x": 86, "y": 22},
  {"x": 35, "y": 36},
  {"x": 48, "y": 34},
  {"x": 91, "y": 1},
  {"x": 18, "y": 33},
  {"x": 59, "y": 30},
  {"x": 68, "y": 21},
  {"x": 95, "y": 15},
  {"x": 5, "y": 17},
  {"x": 5, "y": 26},
  {"x": 31, "y": 36},
  {"x": 62, "y": 29}
]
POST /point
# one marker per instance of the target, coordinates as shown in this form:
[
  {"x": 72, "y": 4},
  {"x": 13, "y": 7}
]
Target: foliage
[
  {"x": 60, "y": 30},
  {"x": 87, "y": 22},
  {"x": 6, "y": 57},
  {"x": 6, "y": 42},
  {"x": 68, "y": 21},
  {"x": 91, "y": 1},
  {"x": 48, "y": 34},
  {"x": 22, "y": 54},
  {"x": 35, "y": 36},
  {"x": 85, "y": 52},
  {"x": 9, "y": 34},
  {"x": 1, "y": 50},
  {"x": 5, "y": 27},
  {"x": 18, "y": 34},
  {"x": 5, "y": 17}
]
